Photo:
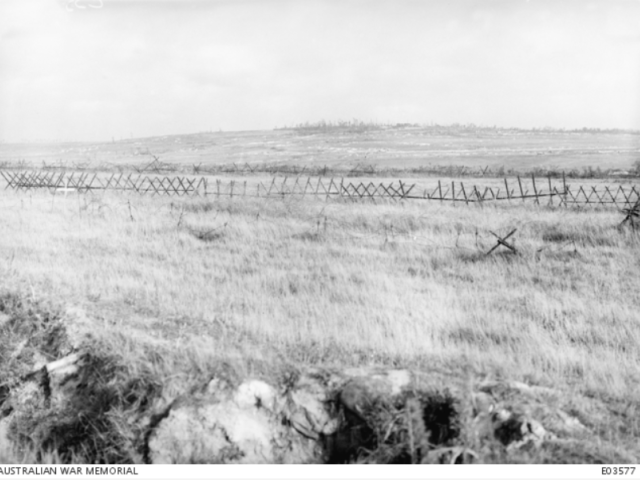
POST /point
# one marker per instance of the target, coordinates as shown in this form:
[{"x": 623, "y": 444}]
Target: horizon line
[{"x": 341, "y": 124}]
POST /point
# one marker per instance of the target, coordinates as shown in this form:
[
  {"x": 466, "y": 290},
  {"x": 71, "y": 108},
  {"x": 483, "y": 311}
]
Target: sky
[{"x": 93, "y": 70}]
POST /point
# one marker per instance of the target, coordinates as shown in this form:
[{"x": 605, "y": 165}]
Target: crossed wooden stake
[
  {"x": 503, "y": 241},
  {"x": 633, "y": 213}
]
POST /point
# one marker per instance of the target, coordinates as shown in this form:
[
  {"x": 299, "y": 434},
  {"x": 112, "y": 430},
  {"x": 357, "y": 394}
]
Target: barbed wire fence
[
  {"x": 331, "y": 221},
  {"x": 541, "y": 191}
]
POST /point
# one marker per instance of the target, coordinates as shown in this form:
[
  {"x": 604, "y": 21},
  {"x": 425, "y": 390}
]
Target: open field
[
  {"x": 382, "y": 148},
  {"x": 265, "y": 284},
  {"x": 163, "y": 296},
  {"x": 232, "y": 232},
  {"x": 386, "y": 281}
]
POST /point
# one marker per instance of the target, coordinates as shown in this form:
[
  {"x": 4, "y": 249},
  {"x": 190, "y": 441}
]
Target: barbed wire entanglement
[{"x": 547, "y": 191}]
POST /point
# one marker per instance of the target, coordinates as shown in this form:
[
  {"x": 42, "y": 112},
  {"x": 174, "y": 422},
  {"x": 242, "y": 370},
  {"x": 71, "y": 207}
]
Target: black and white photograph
[{"x": 305, "y": 232}]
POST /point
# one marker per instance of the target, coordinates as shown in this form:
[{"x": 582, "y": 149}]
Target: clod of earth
[
  {"x": 244, "y": 427},
  {"x": 319, "y": 418},
  {"x": 308, "y": 409},
  {"x": 4, "y": 319}
]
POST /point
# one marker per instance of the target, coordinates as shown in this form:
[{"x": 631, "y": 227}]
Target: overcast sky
[{"x": 97, "y": 69}]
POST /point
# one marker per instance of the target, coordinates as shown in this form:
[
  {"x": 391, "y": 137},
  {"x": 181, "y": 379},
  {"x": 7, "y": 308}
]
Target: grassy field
[
  {"x": 395, "y": 284},
  {"x": 270, "y": 282},
  {"x": 175, "y": 288}
]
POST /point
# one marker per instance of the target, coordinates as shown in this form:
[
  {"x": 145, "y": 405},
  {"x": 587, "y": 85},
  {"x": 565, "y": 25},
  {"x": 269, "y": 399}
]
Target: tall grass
[
  {"x": 176, "y": 288},
  {"x": 337, "y": 283}
]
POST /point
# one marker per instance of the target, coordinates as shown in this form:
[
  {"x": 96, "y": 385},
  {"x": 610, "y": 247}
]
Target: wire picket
[
  {"x": 83, "y": 182},
  {"x": 539, "y": 190}
]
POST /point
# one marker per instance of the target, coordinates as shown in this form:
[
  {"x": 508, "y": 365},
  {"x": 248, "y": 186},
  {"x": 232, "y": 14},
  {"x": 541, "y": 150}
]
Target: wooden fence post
[
  {"x": 464, "y": 193},
  {"x": 273, "y": 182},
  {"x": 506, "y": 185},
  {"x": 521, "y": 190},
  {"x": 329, "y": 189}
]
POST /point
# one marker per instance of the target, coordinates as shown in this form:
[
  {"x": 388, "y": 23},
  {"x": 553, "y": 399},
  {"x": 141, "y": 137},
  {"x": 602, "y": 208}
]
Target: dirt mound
[{"x": 63, "y": 397}]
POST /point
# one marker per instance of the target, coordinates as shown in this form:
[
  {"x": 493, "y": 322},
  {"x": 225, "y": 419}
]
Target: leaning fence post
[
  {"x": 521, "y": 191},
  {"x": 273, "y": 182},
  {"x": 480, "y": 197},
  {"x": 506, "y": 185},
  {"x": 564, "y": 186},
  {"x": 464, "y": 193},
  {"x": 535, "y": 190}
]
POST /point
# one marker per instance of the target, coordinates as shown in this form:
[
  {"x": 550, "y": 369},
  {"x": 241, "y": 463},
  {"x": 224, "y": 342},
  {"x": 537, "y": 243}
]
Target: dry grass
[
  {"x": 261, "y": 283},
  {"x": 345, "y": 282}
]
